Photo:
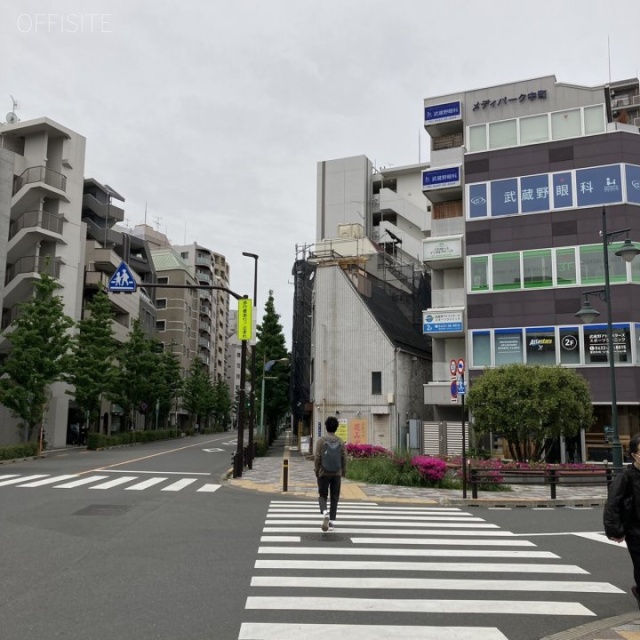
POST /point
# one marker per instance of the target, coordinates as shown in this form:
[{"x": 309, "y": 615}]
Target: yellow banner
[{"x": 245, "y": 319}]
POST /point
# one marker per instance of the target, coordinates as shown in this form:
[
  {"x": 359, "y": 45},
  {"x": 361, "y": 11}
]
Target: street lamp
[
  {"x": 588, "y": 314},
  {"x": 266, "y": 366},
  {"x": 252, "y": 408}
]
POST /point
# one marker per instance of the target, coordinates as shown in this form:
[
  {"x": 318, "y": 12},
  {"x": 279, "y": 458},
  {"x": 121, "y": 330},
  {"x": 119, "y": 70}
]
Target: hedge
[
  {"x": 100, "y": 441},
  {"x": 14, "y": 452}
]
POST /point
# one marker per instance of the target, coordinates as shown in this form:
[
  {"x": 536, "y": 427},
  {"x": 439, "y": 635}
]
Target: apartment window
[
  {"x": 163, "y": 280},
  {"x": 184, "y": 255},
  {"x": 161, "y": 303},
  {"x": 534, "y": 129},
  {"x": 376, "y": 383},
  {"x": 160, "y": 325}
]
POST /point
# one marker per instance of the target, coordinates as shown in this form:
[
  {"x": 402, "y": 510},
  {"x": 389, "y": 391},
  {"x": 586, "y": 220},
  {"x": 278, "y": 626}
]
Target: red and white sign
[
  {"x": 453, "y": 367},
  {"x": 460, "y": 366}
]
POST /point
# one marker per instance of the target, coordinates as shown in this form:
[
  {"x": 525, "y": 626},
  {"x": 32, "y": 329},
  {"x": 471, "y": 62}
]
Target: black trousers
[
  {"x": 329, "y": 485},
  {"x": 633, "y": 545}
]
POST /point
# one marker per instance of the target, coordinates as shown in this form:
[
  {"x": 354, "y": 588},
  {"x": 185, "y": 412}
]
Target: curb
[
  {"x": 586, "y": 631},
  {"x": 22, "y": 459}
]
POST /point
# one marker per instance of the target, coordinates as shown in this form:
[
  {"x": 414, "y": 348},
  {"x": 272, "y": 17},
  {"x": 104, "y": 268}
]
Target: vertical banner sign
[{"x": 245, "y": 322}]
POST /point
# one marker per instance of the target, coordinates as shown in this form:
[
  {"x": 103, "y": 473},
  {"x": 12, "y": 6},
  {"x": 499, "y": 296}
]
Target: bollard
[
  {"x": 474, "y": 483},
  {"x": 285, "y": 475},
  {"x": 553, "y": 480}
]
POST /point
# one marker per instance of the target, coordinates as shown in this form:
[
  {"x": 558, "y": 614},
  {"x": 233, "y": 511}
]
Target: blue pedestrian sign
[{"x": 122, "y": 279}]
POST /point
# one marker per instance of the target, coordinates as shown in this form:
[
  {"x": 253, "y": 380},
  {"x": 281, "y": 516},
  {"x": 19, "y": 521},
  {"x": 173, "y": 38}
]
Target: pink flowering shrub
[
  {"x": 430, "y": 468},
  {"x": 366, "y": 451}
]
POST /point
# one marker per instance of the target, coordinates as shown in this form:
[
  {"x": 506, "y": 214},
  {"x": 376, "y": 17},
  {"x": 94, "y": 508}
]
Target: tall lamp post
[
  {"x": 266, "y": 366},
  {"x": 252, "y": 400},
  {"x": 588, "y": 314}
]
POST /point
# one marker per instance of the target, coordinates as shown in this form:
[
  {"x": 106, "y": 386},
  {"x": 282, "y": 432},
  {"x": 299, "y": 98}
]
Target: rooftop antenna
[
  {"x": 157, "y": 221},
  {"x": 12, "y": 116},
  {"x": 145, "y": 213},
  {"x": 609, "y": 56}
]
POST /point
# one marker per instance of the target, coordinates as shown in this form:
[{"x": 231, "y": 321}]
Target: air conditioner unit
[
  {"x": 350, "y": 231},
  {"x": 390, "y": 398}
]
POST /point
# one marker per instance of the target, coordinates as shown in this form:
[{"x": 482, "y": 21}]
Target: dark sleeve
[
  {"x": 317, "y": 457},
  {"x": 613, "y": 517}
]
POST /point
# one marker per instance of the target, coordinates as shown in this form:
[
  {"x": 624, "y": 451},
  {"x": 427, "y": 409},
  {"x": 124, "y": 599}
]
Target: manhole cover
[{"x": 103, "y": 510}]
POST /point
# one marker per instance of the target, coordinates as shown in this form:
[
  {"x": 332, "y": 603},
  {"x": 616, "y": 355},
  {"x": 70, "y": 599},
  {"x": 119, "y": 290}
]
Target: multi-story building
[
  {"x": 365, "y": 288},
  {"x": 210, "y": 268},
  {"x": 520, "y": 176},
  {"x": 41, "y": 195}
]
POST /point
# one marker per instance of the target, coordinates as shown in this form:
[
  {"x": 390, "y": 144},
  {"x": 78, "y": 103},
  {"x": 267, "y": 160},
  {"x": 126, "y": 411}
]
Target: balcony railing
[
  {"x": 42, "y": 219},
  {"x": 40, "y": 174},
  {"x": 9, "y": 316},
  {"x": 33, "y": 264}
]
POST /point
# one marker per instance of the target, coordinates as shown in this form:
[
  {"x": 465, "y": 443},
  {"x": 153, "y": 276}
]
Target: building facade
[{"x": 520, "y": 176}]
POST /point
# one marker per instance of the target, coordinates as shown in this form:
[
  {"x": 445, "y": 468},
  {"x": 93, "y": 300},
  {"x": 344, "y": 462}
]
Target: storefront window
[
  {"x": 541, "y": 345},
  {"x": 596, "y": 344},
  {"x": 594, "y": 119},
  {"x": 566, "y": 124},
  {"x": 508, "y": 346},
  {"x": 569, "y": 345},
  {"x": 477, "y": 139},
  {"x": 591, "y": 264},
  {"x": 481, "y": 344},
  {"x": 534, "y": 129},
  {"x": 503, "y": 134}
]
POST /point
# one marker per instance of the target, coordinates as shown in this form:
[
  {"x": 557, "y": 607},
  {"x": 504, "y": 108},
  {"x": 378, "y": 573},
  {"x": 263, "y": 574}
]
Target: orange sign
[{"x": 358, "y": 432}]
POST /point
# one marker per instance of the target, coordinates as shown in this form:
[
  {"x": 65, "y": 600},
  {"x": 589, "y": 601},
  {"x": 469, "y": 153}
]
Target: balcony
[
  {"x": 53, "y": 222},
  {"x": 102, "y": 209},
  {"x": 106, "y": 260},
  {"x": 33, "y": 264},
  {"x": 40, "y": 174},
  {"x": 448, "y": 298},
  {"x": 93, "y": 279}
]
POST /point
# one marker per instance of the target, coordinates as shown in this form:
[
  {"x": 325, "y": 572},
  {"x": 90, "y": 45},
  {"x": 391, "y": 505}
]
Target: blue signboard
[
  {"x": 478, "y": 200},
  {"x": 562, "y": 190},
  {"x": 442, "y": 322},
  {"x": 504, "y": 197},
  {"x": 632, "y": 174},
  {"x": 599, "y": 185},
  {"x": 439, "y": 178},
  {"x": 442, "y": 112},
  {"x": 534, "y": 193}
]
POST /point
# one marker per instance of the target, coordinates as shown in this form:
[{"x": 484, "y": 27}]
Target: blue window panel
[
  {"x": 599, "y": 185},
  {"x": 562, "y": 190},
  {"x": 633, "y": 183},
  {"x": 478, "y": 200},
  {"x": 534, "y": 193},
  {"x": 504, "y": 197}
]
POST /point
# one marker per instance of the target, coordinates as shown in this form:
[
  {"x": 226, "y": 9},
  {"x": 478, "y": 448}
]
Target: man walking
[{"x": 330, "y": 463}]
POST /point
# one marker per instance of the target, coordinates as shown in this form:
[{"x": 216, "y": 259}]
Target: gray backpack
[{"x": 331, "y": 458}]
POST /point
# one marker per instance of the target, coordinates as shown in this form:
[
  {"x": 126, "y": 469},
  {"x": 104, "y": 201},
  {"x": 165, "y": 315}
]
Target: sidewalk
[{"x": 267, "y": 475}]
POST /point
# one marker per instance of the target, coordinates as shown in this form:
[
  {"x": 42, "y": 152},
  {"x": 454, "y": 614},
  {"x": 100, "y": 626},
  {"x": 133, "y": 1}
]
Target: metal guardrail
[{"x": 551, "y": 477}]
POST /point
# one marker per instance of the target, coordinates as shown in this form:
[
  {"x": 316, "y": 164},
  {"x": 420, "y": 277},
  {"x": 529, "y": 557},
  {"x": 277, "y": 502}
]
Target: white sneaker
[{"x": 325, "y": 521}]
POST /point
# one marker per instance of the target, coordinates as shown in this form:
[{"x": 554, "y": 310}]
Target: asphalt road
[{"x": 146, "y": 542}]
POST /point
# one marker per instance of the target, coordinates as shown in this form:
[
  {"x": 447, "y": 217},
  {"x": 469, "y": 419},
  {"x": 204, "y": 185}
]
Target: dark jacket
[
  {"x": 622, "y": 509},
  {"x": 317, "y": 458}
]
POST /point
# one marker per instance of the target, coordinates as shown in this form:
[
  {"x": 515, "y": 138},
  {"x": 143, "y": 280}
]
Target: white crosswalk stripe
[
  {"x": 419, "y": 554},
  {"x": 104, "y": 482}
]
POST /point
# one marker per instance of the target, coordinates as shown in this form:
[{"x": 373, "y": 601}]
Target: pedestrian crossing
[
  {"x": 103, "y": 482},
  {"x": 426, "y": 569}
]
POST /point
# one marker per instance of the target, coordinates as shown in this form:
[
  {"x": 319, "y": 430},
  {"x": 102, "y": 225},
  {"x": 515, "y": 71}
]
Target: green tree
[
  {"x": 223, "y": 404},
  {"x": 92, "y": 367},
  {"x": 167, "y": 383},
  {"x": 271, "y": 345},
  {"x": 198, "y": 398},
  {"x": 38, "y": 356},
  {"x": 530, "y": 406},
  {"x": 133, "y": 387}
]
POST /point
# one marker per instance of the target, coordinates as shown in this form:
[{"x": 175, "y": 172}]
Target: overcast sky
[{"x": 214, "y": 113}]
